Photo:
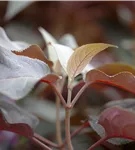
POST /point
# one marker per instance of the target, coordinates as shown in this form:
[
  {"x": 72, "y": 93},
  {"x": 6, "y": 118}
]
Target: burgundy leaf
[
  {"x": 17, "y": 120},
  {"x": 50, "y": 79},
  {"x": 118, "y": 122},
  {"x": 115, "y": 123},
  {"x": 124, "y": 80},
  {"x": 115, "y": 68},
  {"x": 101, "y": 132},
  {"x": 107, "y": 123},
  {"x": 19, "y": 128}
]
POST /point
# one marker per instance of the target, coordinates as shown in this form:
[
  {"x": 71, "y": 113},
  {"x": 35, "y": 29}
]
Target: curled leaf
[
  {"x": 34, "y": 51},
  {"x": 81, "y": 57},
  {"x": 114, "y": 68},
  {"x": 124, "y": 80},
  {"x": 20, "y": 73}
]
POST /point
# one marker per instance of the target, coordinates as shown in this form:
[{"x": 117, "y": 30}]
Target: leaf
[
  {"x": 50, "y": 78},
  {"x": 63, "y": 54},
  {"x": 118, "y": 122},
  {"x": 34, "y": 51},
  {"x": 124, "y": 80},
  {"x": 56, "y": 51},
  {"x": 48, "y": 38},
  {"x": 81, "y": 57},
  {"x": 20, "y": 73},
  {"x": 128, "y": 105},
  {"x": 17, "y": 120},
  {"x": 119, "y": 75},
  {"x": 114, "y": 68},
  {"x": 101, "y": 132}
]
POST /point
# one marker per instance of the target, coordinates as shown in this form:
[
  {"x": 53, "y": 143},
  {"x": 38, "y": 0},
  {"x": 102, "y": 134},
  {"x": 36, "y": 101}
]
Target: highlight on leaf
[
  {"x": 48, "y": 38},
  {"x": 82, "y": 55},
  {"x": 56, "y": 51},
  {"x": 63, "y": 54},
  {"x": 20, "y": 73}
]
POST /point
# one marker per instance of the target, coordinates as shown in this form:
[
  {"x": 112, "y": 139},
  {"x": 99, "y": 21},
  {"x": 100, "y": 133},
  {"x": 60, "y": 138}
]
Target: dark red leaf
[
  {"x": 19, "y": 128},
  {"x": 115, "y": 123},
  {"x": 50, "y": 78},
  {"x": 124, "y": 80},
  {"x": 115, "y": 68},
  {"x": 118, "y": 122},
  {"x": 17, "y": 120}
]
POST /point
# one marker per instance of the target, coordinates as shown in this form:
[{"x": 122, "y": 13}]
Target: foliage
[{"x": 26, "y": 66}]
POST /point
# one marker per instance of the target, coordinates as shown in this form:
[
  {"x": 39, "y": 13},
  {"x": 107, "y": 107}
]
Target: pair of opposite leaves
[
  {"x": 85, "y": 55},
  {"x": 21, "y": 73},
  {"x": 22, "y": 67},
  {"x": 107, "y": 119}
]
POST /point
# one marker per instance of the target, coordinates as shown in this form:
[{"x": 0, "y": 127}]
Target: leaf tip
[{"x": 111, "y": 45}]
